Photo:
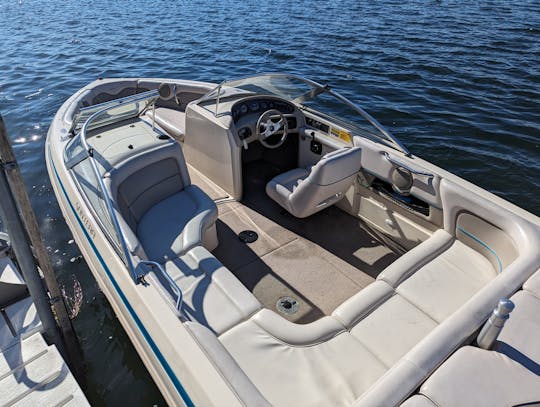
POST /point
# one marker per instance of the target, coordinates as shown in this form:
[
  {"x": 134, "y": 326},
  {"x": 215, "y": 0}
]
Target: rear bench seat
[
  {"x": 507, "y": 376},
  {"x": 378, "y": 347},
  {"x": 346, "y": 353},
  {"x": 375, "y": 349}
]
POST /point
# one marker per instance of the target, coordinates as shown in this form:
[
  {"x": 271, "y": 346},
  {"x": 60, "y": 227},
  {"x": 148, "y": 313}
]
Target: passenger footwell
[{"x": 319, "y": 262}]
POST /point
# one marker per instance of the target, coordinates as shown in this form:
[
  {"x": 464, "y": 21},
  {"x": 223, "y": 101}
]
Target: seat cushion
[
  {"x": 227, "y": 367},
  {"x": 171, "y": 120},
  {"x": 213, "y": 296},
  {"x": 532, "y": 285},
  {"x": 447, "y": 282},
  {"x": 324, "y": 366},
  {"x": 282, "y": 186},
  {"x": 439, "y": 275},
  {"x": 476, "y": 377},
  {"x": 515, "y": 340},
  {"x": 393, "y": 329},
  {"x": 415, "y": 258},
  {"x": 176, "y": 224}
]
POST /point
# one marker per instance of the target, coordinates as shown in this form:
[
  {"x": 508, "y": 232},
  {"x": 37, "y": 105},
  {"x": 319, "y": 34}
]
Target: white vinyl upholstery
[
  {"x": 157, "y": 206},
  {"x": 532, "y": 285},
  {"x": 171, "y": 120},
  {"x": 523, "y": 325},
  {"x": 212, "y": 295},
  {"x": 228, "y": 368},
  {"x": 303, "y": 192},
  {"x": 316, "y": 364},
  {"x": 476, "y": 377},
  {"x": 374, "y": 340},
  {"x": 176, "y": 224},
  {"x": 508, "y": 375},
  {"x": 447, "y": 282}
]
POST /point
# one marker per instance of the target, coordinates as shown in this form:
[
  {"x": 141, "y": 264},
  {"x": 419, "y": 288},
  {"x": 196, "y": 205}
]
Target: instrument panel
[{"x": 260, "y": 105}]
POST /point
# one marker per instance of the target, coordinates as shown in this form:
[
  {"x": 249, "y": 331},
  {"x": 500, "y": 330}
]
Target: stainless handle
[
  {"x": 172, "y": 283},
  {"x": 400, "y": 164}
]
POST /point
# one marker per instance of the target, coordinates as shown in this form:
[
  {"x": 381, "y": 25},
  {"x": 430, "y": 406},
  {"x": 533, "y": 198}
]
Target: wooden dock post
[{"x": 23, "y": 230}]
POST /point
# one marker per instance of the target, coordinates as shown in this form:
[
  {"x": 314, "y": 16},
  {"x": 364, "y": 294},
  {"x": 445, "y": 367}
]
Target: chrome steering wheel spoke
[{"x": 270, "y": 123}]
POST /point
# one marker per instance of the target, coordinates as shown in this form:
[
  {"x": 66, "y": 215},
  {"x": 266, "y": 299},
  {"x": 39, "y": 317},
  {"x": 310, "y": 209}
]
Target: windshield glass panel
[
  {"x": 310, "y": 96},
  {"x": 115, "y": 110},
  {"x": 329, "y": 108},
  {"x": 281, "y": 85}
]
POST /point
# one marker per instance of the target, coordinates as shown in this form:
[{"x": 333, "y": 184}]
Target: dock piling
[{"x": 22, "y": 227}]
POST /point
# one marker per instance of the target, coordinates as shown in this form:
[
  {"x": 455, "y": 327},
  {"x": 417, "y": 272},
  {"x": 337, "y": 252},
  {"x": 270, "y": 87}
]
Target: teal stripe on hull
[
  {"x": 484, "y": 244},
  {"x": 166, "y": 367}
]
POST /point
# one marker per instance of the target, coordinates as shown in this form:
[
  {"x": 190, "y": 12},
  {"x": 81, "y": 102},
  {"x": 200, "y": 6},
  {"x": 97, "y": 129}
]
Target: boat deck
[{"x": 320, "y": 261}]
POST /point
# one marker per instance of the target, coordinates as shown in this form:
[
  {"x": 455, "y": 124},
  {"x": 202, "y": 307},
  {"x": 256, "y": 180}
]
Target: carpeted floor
[{"x": 319, "y": 261}]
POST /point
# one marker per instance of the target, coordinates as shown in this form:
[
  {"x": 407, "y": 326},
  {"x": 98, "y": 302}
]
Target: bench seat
[
  {"x": 337, "y": 359},
  {"x": 477, "y": 377},
  {"x": 213, "y": 296},
  {"x": 171, "y": 120}
]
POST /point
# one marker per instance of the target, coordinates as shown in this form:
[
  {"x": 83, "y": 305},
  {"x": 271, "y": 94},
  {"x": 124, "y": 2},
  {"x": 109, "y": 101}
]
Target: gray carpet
[{"x": 319, "y": 261}]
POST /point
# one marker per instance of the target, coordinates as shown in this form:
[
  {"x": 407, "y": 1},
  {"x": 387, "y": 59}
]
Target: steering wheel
[{"x": 270, "y": 123}]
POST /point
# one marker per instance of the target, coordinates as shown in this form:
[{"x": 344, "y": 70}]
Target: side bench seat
[
  {"x": 440, "y": 275},
  {"x": 213, "y": 296},
  {"x": 337, "y": 359},
  {"x": 171, "y": 120}
]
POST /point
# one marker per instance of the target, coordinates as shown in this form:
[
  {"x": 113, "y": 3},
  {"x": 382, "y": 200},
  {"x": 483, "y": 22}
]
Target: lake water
[{"x": 457, "y": 82}]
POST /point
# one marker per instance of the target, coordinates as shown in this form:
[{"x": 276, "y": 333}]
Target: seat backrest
[
  {"x": 146, "y": 179},
  {"x": 327, "y": 181},
  {"x": 335, "y": 166}
]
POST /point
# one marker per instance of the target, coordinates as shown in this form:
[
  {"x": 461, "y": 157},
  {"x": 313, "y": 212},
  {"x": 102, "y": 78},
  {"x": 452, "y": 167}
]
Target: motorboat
[{"x": 266, "y": 241}]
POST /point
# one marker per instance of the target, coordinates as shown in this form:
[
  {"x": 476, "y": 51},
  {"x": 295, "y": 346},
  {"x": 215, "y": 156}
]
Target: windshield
[
  {"x": 115, "y": 110},
  {"x": 319, "y": 100},
  {"x": 285, "y": 86}
]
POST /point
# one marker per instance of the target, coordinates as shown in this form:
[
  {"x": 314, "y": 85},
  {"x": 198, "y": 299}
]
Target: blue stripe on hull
[{"x": 166, "y": 367}]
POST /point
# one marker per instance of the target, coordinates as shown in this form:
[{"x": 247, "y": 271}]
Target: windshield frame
[{"x": 315, "y": 89}]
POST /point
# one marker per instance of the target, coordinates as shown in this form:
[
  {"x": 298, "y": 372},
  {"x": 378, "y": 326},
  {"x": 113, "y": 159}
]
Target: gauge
[
  {"x": 243, "y": 109},
  {"x": 263, "y": 105},
  {"x": 254, "y": 106},
  {"x": 271, "y": 105},
  {"x": 244, "y": 133}
]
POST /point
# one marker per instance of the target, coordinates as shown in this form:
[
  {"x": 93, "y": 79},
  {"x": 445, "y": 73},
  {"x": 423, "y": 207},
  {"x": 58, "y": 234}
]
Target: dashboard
[
  {"x": 260, "y": 105},
  {"x": 247, "y": 111}
]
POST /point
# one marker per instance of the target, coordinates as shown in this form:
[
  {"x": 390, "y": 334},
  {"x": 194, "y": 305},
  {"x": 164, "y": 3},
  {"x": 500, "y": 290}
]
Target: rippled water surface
[{"x": 457, "y": 82}]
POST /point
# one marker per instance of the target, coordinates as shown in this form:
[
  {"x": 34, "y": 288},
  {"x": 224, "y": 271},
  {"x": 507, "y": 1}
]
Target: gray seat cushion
[
  {"x": 172, "y": 121},
  {"x": 304, "y": 192},
  {"x": 176, "y": 224}
]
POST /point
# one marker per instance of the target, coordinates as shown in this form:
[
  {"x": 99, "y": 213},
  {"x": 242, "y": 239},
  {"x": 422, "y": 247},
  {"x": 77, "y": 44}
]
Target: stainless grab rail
[
  {"x": 172, "y": 283},
  {"x": 110, "y": 209},
  {"x": 137, "y": 277},
  {"x": 401, "y": 164}
]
